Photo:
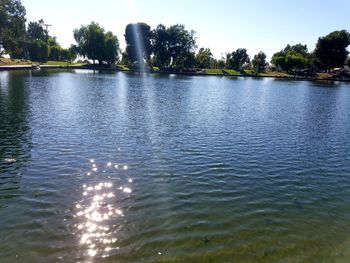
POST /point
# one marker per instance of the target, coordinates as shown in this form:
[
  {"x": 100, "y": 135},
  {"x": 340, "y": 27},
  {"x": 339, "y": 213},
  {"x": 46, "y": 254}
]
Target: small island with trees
[{"x": 164, "y": 49}]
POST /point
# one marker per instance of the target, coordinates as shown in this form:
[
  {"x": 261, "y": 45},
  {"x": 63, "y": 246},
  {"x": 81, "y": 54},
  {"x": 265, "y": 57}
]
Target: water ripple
[{"x": 158, "y": 168}]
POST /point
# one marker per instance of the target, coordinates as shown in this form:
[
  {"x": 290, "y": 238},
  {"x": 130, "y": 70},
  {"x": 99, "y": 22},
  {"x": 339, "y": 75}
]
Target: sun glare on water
[{"x": 97, "y": 211}]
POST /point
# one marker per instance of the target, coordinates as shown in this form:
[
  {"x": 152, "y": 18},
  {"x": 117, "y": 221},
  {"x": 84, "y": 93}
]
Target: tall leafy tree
[
  {"x": 55, "y": 52},
  {"x": 95, "y": 44},
  {"x": 182, "y": 44},
  {"x": 37, "y": 37},
  {"x": 12, "y": 27},
  {"x": 73, "y": 52},
  {"x": 174, "y": 46},
  {"x": 298, "y": 48},
  {"x": 204, "y": 58},
  {"x": 237, "y": 59},
  {"x": 90, "y": 40},
  {"x": 52, "y": 41},
  {"x": 161, "y": 46},
  {"x": 67, "y": 54},
  {"x": 279, "y": 60},
  {"x": 295, "y": 61},
  {"x": 290, "y": 61},
  {"x": 331, "y": 49},
  {"x": 38, "y": 50},
  {"x": 36, "y": 31},
  {"x": 292, "y": 58},
  {"x": 259, "y": 62},
  {"x": 220, "y": 63},
  {"x": 138, "y": 42},
  {"x": 111, "y": 48}
]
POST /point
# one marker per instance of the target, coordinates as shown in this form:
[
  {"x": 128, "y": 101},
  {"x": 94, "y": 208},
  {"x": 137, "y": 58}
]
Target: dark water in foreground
[{"x": 129, "y": 168}]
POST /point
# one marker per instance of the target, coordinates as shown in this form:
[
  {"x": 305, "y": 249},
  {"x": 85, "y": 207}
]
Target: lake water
[{"x": 116, "y": 167}]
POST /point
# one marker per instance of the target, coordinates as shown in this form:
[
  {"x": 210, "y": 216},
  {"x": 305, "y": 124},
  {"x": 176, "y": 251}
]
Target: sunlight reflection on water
[{"x": 97, "y": 211}]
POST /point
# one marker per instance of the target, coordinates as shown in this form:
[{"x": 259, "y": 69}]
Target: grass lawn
[
  {"x": 10, "y": 62},
  {"x": 61, "y": 63},
  {"x": 126, "y": 68},
  {"x": 274, "y": 74},
  {"x": 213, "y": 71},
  {"x": 123, "y": 67},
  {"x": 228, "y": 71},
  {"x": 246, "y": 71},
  {"x": 249, "y": 72},
  {"x": 231, "y": 71}
]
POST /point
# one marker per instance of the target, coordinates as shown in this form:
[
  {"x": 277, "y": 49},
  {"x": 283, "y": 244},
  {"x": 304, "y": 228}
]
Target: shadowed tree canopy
[
  {"x": 174, "y": 46},
  {"x": 73, "y": 52},
  {"x": 331, "y": 49},
  {"x": 55, "y": 52},
  {"x": 95, "y": 44},
  {"x": 52, "y": 41},
  {"x": 90, "y": 41},
  {"x": 182, "y": 44},
  {"x": 12, "y": 27},
  {"x": 290, "y": 61},
  {"x": 295, "y": 61},
  {"x": 42, "y": 47},
  {"x": 58, "y": 53},
  {"x": 298, "y": 48},
  {"x": 237, "y": 59},
  {"x": 279, "y": 60},
  {"x": 204, "y": 58},
  {"x": 38, "y": 50},
  {"x": 292, "y": 58},
  {"x": 36, "y": 31},
  {"x": 138, "y": 42},
  {"x": 111, "y": 48},
  {"x": 259, "y": 62},
  {"x": 220, "y": 63},
  {"x": 161, "y": 46}
]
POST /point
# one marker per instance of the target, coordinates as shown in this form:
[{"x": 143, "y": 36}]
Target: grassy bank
[
  {"x": 60, "y": 63},
  {"x": 24, "y": 62},
  {"x": 210, "y": 72},
  {"x": 14, "y": 62},
  {"x": 244, "y": 72},
  {"x": 271, "y": 74}
]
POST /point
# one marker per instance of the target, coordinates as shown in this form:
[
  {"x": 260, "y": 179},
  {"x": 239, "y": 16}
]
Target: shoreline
[{"x": 163, "y": 72}]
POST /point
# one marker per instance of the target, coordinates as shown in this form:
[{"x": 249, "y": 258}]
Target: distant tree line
[
  {"x": 330, "y": 52},
  {"x": 31, "y": 41},
  {"x": 42, "y": 47},
  {"x": 168, "y": 47}
]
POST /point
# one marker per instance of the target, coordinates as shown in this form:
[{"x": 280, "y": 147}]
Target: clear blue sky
[{"x": 221, "y": 25}]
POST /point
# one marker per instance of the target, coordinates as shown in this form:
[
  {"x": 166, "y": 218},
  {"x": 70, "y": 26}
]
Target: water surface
[{"x": 116, "y": 167}]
